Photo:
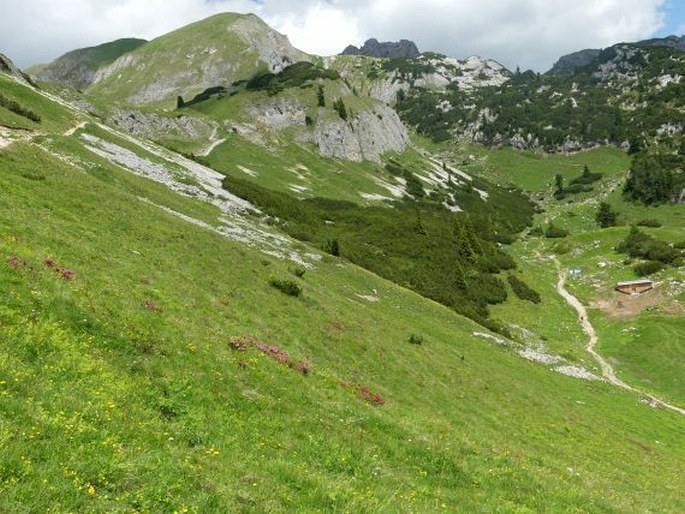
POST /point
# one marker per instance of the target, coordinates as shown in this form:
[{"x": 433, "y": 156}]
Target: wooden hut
[{"x": 635, "y": 286}]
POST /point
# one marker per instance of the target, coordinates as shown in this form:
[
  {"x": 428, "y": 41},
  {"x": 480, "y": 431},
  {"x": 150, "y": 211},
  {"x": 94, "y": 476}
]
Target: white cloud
[
  {"x": 324, "y": 30},
  {"x": 530, "y": 33}
]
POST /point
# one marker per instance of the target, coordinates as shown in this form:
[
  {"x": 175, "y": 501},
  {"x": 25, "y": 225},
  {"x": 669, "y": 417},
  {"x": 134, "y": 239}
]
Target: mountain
[
  {"x": 185, "y": 62},
  {"x": 386, "y": 50},
  {"x": 574, "y": 61},
  {"x": 567, "y": 64},
  {"x": 224, "y": 319},
  {"x": 77, "y": 69}
]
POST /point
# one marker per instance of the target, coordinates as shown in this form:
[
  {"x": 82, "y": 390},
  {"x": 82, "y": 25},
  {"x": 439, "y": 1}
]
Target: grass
[
  {"x": 648, "y": 352},
  {"x": 535, "y": 172},
  {"x": 54, "y": 117},
  {"x": 646, "y": 349},
  {"x": 285, "y": 167},
  {"x": 107, "y": 404},
  {"x": 170, "y": 55}
]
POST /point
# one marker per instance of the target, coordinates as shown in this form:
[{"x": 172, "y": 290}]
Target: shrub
[
  {"x": 555, "y": 232},
  {"x": 333, "y": 247},
  {"x": 365, "y": 393},
  {"x": 301, "y": 367},
  {"x": 299, "y": 271},
  {"x": 286, "y": 286},
  {"x": 606, "y": 216},
  {"x": 15, "y": 262},
  {"x": 152, "y": 306},
  {"x": 523, "y": 290},
  {"x": 339, "y": 106},
  {"x": 648, "y": 268},
  {"x": 18, "y": 109},
  {"x": 415, "y": 339},
  {"x": 651, "y": 222}
]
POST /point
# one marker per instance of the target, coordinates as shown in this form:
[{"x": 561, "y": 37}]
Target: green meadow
[{"x": 147, "y": 364}]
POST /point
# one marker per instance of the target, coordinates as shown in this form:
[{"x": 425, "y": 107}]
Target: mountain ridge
[
  {"x": 385, "y": 50},
  {"x": 569, "y": 63}
]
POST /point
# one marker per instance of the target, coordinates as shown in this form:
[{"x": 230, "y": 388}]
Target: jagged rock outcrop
[
  {"x": 387, "y": 49},
  {"x": 78, "y": 68},
  {"x": 157, "y": 127},
  {"x": 437, "y": 73},
  {"x": 365, "y": 137}
]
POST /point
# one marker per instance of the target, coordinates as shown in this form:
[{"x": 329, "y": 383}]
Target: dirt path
[
  {"x": 607, "y": 369},
  {"x": 73, "y": 129},
  {"x": 213, "y": 143}
]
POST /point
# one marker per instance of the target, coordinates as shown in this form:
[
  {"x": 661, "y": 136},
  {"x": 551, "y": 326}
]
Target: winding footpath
[{"x": 607, "y": 369}]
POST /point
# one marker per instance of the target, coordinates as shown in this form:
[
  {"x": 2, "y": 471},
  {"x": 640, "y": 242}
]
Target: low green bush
[
  {"x": 523, "y": 290},
  {"x": 651, "y": 222},
  {"x": 288, "y": 287},
  {"x": 648, "y": 268},
  {"x": 415, "y": 339}
]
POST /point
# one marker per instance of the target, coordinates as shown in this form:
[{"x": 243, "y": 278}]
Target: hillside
[
  {"x": 215, "y": 51},
  {"x": 252, "y": 285},
  {"x": 114, "y": 282},
  {"x": 568, "y": 64},
  {"x": 78, "y": 68}
]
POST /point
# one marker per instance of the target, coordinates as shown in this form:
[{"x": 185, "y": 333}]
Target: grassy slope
[
  {"x": 648, "y": 350},
  {"x": 54, "y": 117},
  {"x": 279, "y": 163},
  {"x": 169, "y": 55},
  {"x": 94, "y": 57},
  {"x": 106, "y": 405}
]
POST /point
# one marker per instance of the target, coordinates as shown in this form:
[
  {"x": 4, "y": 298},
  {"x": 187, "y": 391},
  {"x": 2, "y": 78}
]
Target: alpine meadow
[{"x": 239, "y": 277}]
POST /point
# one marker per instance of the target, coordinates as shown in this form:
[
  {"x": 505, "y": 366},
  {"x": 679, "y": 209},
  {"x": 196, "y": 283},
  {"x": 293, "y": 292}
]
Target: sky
[{"x": 530, "y": 34}]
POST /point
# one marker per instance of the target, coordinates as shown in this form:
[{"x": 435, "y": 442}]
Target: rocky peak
[
  {"x": 568, "y": 64},
  {"x": 676, "y": 42},
  {"x": 388, "y": 49}
]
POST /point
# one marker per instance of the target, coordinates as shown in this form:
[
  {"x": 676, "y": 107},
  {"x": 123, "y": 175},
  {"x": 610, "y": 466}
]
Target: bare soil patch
[{"x": 623, "y": 306}]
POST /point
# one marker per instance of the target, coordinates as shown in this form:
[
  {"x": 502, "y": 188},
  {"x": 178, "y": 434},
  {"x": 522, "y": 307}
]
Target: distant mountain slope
[
  {"x": 78, "y": 68},
  {"x": 388, "y": 49},
  {"x": 576, "y": 60},
  {"x": 216, "y": 51},
  {"x": 573, "y": 61}
]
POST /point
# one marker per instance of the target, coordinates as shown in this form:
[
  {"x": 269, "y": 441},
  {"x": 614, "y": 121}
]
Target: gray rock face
[
  {"x": 388, "y": 49},
  {"x": 568, "y": 64},
  {"x": 366, "y": 137},
  {"x": 154, "y": 126},
  {"x": 273, "y": 47}
]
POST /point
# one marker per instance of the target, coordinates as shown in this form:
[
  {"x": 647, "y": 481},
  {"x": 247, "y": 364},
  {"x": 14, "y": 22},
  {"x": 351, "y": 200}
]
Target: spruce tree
[{"x": 605, "y": 216}]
